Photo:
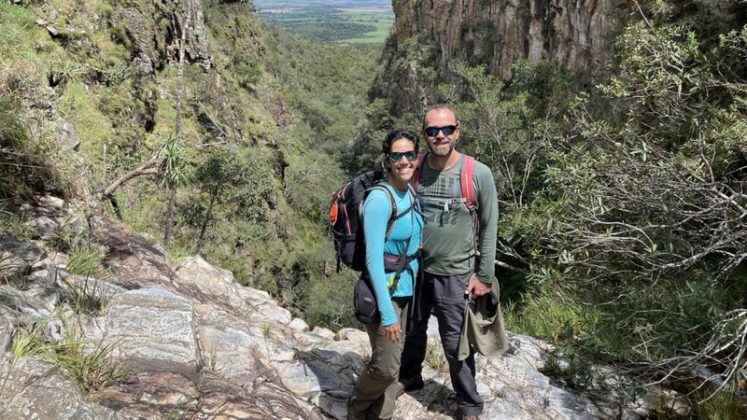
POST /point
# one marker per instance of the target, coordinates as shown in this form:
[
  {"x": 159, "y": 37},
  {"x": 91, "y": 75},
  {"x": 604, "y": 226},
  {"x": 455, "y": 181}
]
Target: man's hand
[
  {"x": 392, "y": 332},
  {"x": 477, "y": 288}
]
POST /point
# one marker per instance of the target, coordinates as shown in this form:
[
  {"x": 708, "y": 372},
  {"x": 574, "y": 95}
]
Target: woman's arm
[{"x": 377, "y": 209}]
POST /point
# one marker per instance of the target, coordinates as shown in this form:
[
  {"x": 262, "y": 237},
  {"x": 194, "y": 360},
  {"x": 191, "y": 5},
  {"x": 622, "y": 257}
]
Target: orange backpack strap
[
  {"x": 465, "y": 176},
  {"x": 418, "y": 170}
]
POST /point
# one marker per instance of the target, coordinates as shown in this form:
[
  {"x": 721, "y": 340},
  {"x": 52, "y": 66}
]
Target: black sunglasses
[
  {"x": 396, "y": 156},
  {"x": 433, "y": 131}
]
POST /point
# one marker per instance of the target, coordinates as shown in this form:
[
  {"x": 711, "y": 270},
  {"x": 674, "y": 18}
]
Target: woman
[{"x": 377, "y": 386}]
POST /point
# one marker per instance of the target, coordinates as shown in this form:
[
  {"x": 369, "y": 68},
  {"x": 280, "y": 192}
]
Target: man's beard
[{"x": 441, "y": 153}]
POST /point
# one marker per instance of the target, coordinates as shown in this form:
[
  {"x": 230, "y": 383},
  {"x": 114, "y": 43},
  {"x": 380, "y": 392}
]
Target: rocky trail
[{"x": 192, "y": 343}]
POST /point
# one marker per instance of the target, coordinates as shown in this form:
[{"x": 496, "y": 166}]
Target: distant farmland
[{"x": 355, "y": 22}]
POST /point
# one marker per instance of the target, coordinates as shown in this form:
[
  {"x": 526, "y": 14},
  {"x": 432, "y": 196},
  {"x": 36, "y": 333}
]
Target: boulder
[
  {"x": 151, "y": 329},
  {"x": 17, "y": 257},
  {"x": 210, "y": 283},
  {"x": 40, "y": 391},
  {"x": 44, "y": 227}
]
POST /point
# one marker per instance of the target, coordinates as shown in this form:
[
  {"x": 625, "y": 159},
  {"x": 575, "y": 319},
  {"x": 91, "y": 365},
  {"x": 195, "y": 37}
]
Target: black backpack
[
  {"x": 346, "y": 229},
  {"x": 345, "y": 219}
]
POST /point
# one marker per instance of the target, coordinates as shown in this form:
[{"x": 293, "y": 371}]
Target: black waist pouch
[{"x": 364, "y": 301}]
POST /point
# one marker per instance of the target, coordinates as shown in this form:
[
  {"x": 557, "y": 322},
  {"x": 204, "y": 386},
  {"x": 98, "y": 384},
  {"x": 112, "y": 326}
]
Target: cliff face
[{"x": 577, "y": 34}]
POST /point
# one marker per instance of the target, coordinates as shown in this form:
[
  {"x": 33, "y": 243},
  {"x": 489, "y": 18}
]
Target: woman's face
[{"x": 402, "y": 159}]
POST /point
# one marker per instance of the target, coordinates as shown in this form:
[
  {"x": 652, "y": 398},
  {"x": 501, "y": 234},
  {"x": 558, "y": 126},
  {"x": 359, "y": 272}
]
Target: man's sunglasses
[
  {"x": 433, "y": 131},
  {"x": 396, "y": 156}
]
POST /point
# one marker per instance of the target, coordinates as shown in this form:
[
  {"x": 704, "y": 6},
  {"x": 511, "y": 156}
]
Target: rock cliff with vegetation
[
  {"x": 190, "y": 122},
  {"x": 578, "y": 35}
]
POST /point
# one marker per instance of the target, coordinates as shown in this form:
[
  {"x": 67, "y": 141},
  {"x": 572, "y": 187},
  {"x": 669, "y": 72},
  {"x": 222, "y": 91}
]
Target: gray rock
[
  {"x": 49, "y": 201},
  {"x": 11, "y": 266},
  {"x": 298, "y": 324},
  {"x": 324, "y": 333},
  {"x": 88, "y": 285},
  {"x": 44, "y": 227},
  {"x": 40, "y": 391},
  {"x": 210, "y": 283},
  {"x": 272, "y": 313},
  {"x": 6, "y": 330},
  {"x": 151, "y": 329},
  {"x": 229, "y": 347},
  {"x": 135, "y": 262},
  {"x": 22, "y": 303},
  {"x": 67, "y": 136},
  {"x": 17, "y": 257}
]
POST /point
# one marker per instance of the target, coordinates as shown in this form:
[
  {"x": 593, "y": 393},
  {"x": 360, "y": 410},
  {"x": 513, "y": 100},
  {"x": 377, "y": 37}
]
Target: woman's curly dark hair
[{"x": 397, "y": 134}]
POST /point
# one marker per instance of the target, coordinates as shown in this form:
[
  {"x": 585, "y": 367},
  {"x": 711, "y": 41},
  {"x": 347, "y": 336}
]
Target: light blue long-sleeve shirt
[{"x": 377, "y": 210}]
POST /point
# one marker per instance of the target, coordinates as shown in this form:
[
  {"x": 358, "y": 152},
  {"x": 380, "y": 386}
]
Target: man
[{"x": 459, "y": 242}]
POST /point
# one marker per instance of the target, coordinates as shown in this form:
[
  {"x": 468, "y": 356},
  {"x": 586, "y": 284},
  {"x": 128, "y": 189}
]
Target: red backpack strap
[
  {"x": 465, "y": 175},
  {"x": 418, "y": 170}
]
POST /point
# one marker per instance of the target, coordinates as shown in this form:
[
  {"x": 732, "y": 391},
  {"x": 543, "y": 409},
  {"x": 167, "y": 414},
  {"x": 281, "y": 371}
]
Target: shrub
[
  {"x": 649, "y": 199},
  {"x": 90, "y": 367},
  {"x": 23, "y": 160}
]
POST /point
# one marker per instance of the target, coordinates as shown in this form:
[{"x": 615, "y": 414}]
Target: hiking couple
[{"x": 457, "y": 229}]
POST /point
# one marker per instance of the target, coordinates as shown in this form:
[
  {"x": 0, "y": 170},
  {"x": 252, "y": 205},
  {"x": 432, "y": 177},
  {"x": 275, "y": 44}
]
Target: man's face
[{"x": 440, "y": 143}]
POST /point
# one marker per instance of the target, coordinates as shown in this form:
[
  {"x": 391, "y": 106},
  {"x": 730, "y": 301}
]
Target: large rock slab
[
  {"x": 37, "y": 390},
  {"x": 151, "y": 329},
  {"x": 135, "y": 262},
  {"x": 230, "y": 347},
  {"x": 210, "y": 283}
]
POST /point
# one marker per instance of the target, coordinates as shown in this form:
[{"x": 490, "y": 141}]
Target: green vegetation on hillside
[{"x": 263, "y": 123}]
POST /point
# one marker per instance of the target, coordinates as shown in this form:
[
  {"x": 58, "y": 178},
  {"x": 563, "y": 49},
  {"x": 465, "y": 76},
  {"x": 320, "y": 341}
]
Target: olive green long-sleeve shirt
[{"x": 450, "y": 245}]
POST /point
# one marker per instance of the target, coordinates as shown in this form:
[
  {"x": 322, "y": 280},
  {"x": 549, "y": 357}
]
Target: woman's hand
[{"x": 392, "y": 332}]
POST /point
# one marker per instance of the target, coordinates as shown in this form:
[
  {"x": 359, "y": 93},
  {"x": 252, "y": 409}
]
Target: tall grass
[
  {"x": 13, "y": 224},
  {"x": 87, "y": 296},
  {"x": 85, "y": 260},
  {"x": 91, "y": 368}
]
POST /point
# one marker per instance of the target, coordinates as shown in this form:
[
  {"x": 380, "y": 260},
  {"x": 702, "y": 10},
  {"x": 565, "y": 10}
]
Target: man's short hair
[{"x": 437, "y": 107}]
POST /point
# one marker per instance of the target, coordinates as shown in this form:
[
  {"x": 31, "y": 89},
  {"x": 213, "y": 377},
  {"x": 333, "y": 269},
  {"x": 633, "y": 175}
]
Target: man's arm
[{"x": 487, "y": 200}]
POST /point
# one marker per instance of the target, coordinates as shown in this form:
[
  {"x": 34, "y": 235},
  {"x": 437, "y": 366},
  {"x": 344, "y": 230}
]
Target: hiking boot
[{"x": 412, "y": 384}]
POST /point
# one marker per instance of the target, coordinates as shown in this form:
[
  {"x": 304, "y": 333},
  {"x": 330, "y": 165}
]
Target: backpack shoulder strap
[
  {"x": 418, "y": 170},
  {"x": 414, "y": 197},
  {"x": 465, "y": 177},
  {"x": 393, "y": 217}
]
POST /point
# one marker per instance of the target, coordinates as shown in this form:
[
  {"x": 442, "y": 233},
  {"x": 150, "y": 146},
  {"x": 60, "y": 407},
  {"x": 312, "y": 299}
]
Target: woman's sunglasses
[
  {"x": 396, "y": 156},
  {"x": 433, "y": 130}
]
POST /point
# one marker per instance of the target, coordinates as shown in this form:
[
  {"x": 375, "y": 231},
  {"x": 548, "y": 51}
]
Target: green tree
[
  {"x": 649, "y": 190},
  {"x": 174, "y": 174},
  {"x": 214, "y": 176}
]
